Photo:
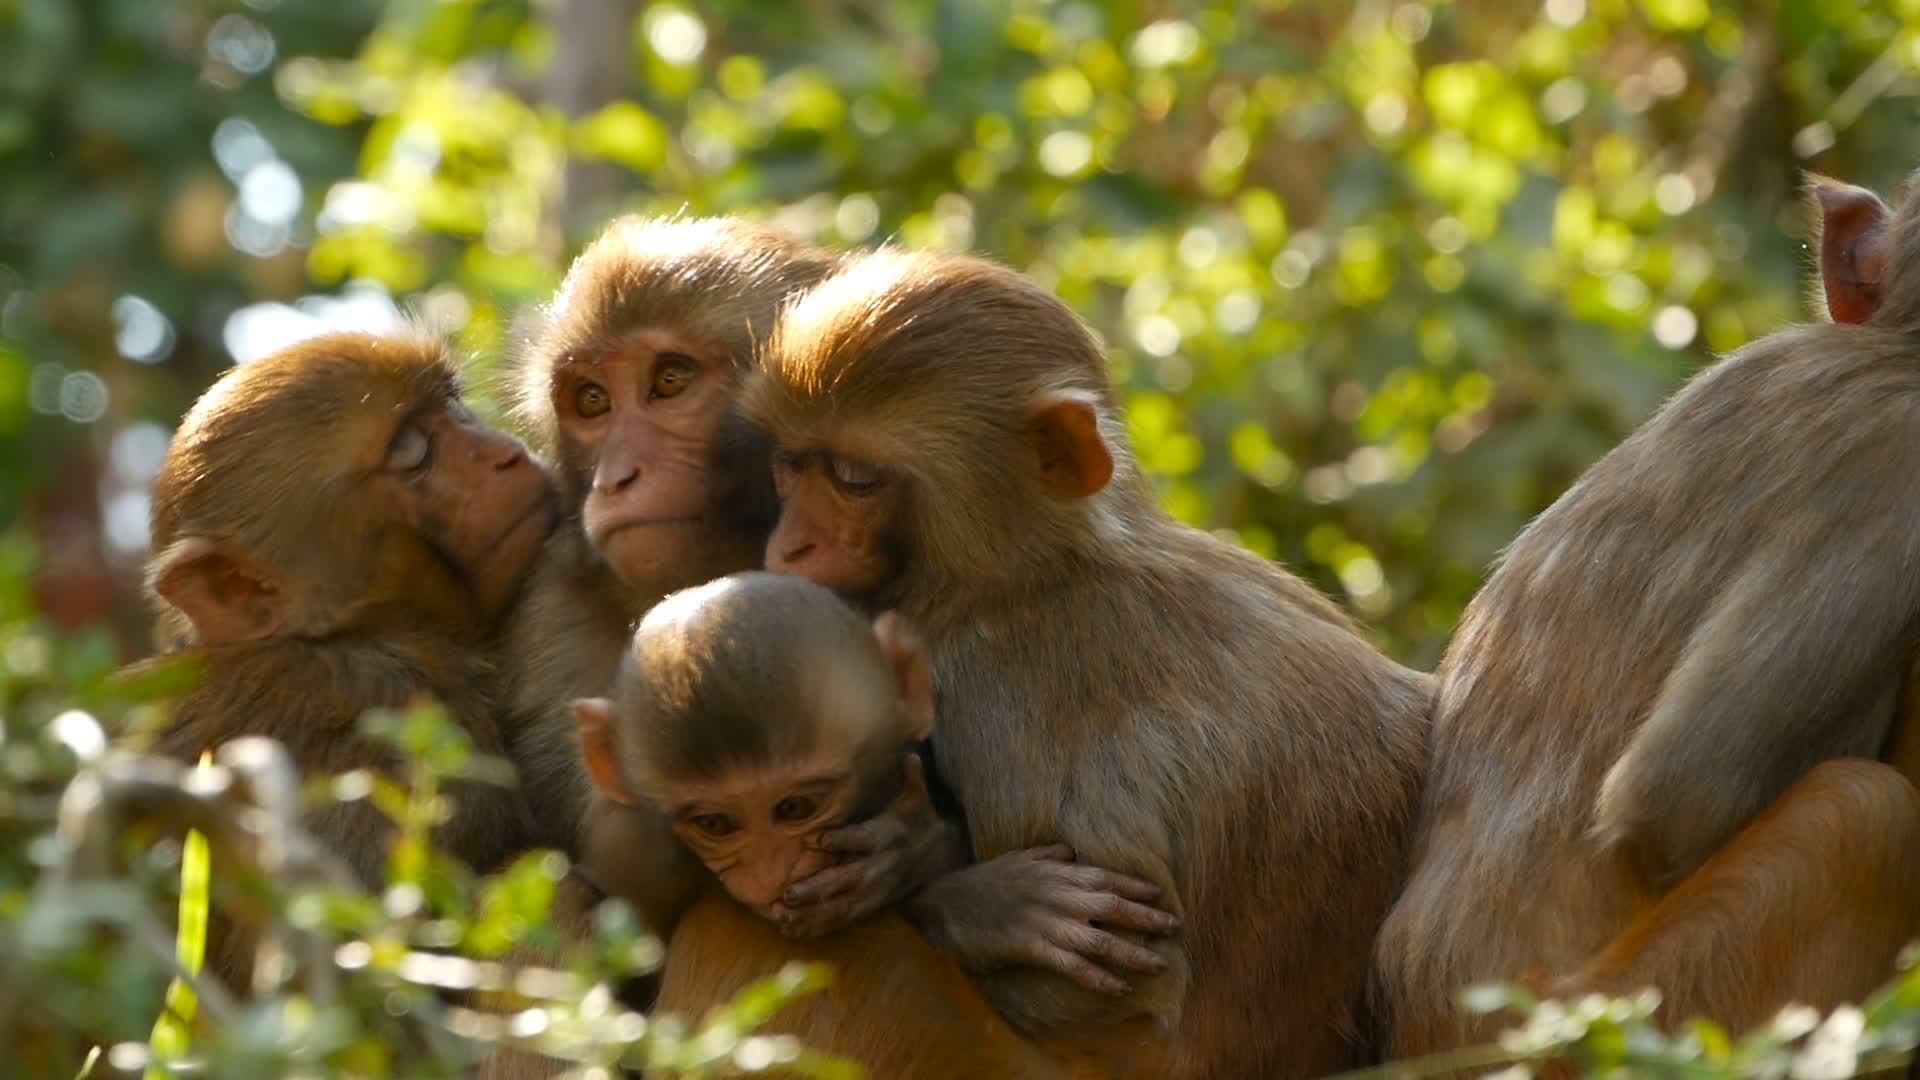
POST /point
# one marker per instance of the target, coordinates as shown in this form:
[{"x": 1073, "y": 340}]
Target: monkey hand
[
  {"x": 1038, "y": 908},
  {"x": 882, "y": 861}
]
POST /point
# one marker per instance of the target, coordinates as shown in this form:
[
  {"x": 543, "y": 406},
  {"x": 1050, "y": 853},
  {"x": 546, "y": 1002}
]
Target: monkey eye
[
  {"x": 591, "y": 400},
  {"x": 715, "y": 825},
  {"x": 672, "y": 374},
  {"x": 796, "y": 808},
  {"x": 409, "y": 449},
  {"x": 854, "y": 477}
]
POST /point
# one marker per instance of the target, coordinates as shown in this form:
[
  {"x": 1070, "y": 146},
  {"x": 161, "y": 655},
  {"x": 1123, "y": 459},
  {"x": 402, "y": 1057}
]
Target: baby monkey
[{"x": 759, "y": 711}]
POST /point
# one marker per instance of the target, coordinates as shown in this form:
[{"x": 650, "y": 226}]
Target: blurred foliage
[
  {"x": 1379, "y": 278},
  {"x": 93, "y": 841}
]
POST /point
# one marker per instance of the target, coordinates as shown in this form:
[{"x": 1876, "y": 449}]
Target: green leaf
[{"x": 172, "y": 1031}]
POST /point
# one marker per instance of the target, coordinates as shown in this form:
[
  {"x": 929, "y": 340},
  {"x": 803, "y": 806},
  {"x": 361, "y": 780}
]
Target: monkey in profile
[
  {"x": 948, "y": 443},
  {"x": 758, "y": 711},
  {"x": 1668, "y": 745},
  {"x": 333, "y": 531}
]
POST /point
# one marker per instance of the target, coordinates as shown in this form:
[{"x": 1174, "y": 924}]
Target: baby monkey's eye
[
  {"x": 855, "y": 477},
  {"x": 796, "y": 808},
  {"x": 713, "y": 824},
  {"x": 591, "y": 400}
]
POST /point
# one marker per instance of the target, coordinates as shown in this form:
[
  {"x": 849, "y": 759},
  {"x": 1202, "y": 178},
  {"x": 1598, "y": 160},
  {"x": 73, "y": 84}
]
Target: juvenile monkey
[
  {"x": 1654, "y": 749},
  {"x": 1170, "y": 706},
  {"x": 759, "y": 711},
  {"x": 630, "y": 380},
  {"x": 333, "y": 531}
]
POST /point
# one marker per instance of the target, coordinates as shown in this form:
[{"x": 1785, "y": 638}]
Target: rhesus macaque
[
  {"x": 333, "y": 531},
  {"x": 629, "y": 380},
  {"x": 758, "y": 712},
  {"x": 1171, "y": 707},
  {"x": 1654, "y": 749}
]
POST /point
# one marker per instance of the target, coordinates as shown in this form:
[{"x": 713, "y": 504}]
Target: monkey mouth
[
  {"x": 543, "y": 510},
  {"x": 607, "y": 533}
]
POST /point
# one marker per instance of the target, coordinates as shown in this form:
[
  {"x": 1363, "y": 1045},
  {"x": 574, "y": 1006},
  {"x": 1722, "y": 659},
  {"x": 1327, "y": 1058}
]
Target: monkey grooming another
[
  {"x": 1654, "y": 754},
  {"x": 334, "y": 532},
  {"x": 759, "y": 711},
  {"x": 947, "y": 444}
]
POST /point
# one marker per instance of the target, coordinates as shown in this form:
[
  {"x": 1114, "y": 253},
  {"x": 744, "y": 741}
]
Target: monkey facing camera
[{"x": 759, "y": 711}]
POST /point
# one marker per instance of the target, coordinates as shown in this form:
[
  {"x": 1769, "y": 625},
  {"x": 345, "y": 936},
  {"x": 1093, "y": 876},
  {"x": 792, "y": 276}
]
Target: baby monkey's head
[{"x": 758, "y": 711}]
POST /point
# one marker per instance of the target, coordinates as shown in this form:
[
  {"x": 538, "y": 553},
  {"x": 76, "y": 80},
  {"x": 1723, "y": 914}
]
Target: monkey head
[
  {"x": 341, "y": 486},
  {"x": 759, "y": 711},
  {"x": 630, "y": 381},
  {"x": 937, "y": 419},
  {"x": 1864, "y": 248}
]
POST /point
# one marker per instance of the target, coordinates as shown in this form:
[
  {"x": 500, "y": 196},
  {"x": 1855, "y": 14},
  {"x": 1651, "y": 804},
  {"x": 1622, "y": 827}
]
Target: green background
[{"x": 1379, "y": 279}]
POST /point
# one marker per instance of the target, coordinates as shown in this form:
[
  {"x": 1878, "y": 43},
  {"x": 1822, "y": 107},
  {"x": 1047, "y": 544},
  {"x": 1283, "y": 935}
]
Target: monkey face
[
  {"x": 640, "y": 427},
  {"x": 756, "y": 828},
  {"x": 839, "y": 520},
  {"x": 475, "y": 495}
]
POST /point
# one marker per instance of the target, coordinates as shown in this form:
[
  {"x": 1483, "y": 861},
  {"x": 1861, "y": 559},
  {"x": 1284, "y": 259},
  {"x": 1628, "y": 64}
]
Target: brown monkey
[
  {"x": 333, "y": 531},
  {"x": 1653, "y": 748},
  {"x": 630, "y": 380},
  {"x": 759, "y": 711},
  {"x": 948, "y": 445}
]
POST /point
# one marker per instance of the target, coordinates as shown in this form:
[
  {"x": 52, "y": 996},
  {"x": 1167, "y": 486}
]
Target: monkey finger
[
  {"x": 863, "y": 839},
  {"x": 1095, "y": 879},
  {"x": 1114, "y": 951},
  {"x": 1080, "y": 970},
  {"x": 1121, "y": 914},
  {"x": 832, "y": 882}
]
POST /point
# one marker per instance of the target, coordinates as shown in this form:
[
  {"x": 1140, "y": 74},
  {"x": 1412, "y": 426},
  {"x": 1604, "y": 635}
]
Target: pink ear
[
  {"x": 909, "y": 662},
  {"x": 594, "y": 720},
  {"x": 1075, "y": 461},
  {"x": 227, "y": 597},
  {"x": 1854, "y": 238}
]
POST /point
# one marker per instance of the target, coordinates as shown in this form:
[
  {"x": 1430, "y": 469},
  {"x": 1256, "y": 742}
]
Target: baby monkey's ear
[
  {"x": 904, "y": 654},
  {"x": 595, "y": 719}
]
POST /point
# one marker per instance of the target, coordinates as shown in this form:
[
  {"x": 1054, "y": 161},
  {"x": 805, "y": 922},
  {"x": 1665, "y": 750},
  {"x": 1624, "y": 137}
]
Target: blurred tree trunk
[{"x": 591, "y": 66}]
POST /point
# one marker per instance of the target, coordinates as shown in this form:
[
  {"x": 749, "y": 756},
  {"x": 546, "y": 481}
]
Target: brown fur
[
  {"x": 276, "y": 466},
  {"x": 897, "y": 1005},
  {"x": 717, "y": 283},
  {"x": 1170, "y": 706},
  {"x": 1628, "y": 783}
]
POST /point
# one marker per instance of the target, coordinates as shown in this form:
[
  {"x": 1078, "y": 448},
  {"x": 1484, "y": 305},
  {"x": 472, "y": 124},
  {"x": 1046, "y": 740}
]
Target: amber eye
[
  {"x": 672, "y": 374},
  {"x": 855, "y": 477},
  {"x": 715, "y": 825},
  {"x": 409, "y": 450},
  {"x": 796, "y": 808},
  {"x": 591, "y": 400}
]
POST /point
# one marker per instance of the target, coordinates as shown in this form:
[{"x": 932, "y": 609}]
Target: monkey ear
[
  {"x": 904, "y": 654},
  {"x": 1853, "y": 248},
  {"x": 594, "y": 720},
  {"x": 227, "y": 597},
  {"x": 1075, "y": 461}
]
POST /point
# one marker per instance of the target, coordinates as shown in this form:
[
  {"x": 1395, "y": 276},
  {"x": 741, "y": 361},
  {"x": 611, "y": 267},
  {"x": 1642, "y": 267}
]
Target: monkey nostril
[{"x": 794, "y": 555}]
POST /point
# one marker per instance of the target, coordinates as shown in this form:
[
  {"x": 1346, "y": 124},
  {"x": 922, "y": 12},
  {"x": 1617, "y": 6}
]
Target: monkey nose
[
  {"x": 793, "y": 555},
  {"x": 609, "y": 483}
]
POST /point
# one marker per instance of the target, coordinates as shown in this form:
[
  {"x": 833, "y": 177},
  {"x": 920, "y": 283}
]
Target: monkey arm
[
  {"x": 1044, "y": 936},
  {"x": 1797, "y": 663}
]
